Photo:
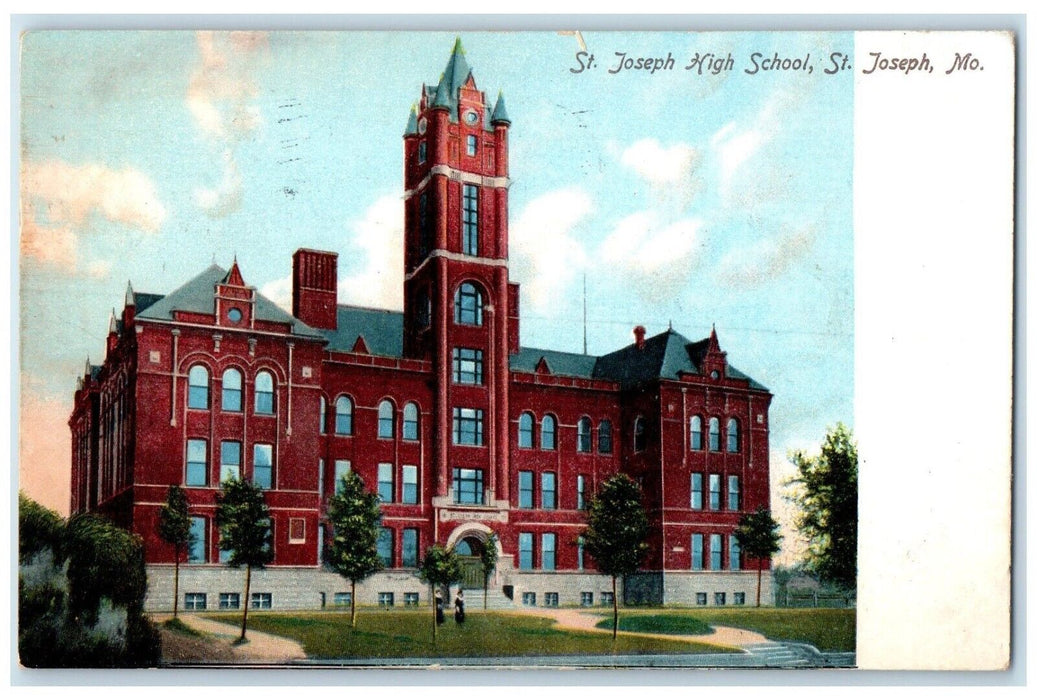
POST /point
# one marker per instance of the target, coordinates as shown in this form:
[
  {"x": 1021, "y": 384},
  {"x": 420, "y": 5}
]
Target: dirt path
[
  {"x": 585, "y": 622},
  {"x": 218, "y": 644}
]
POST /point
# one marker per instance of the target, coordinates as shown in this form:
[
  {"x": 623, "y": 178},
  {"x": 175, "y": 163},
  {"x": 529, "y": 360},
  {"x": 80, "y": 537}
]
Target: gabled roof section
[
  {"x": 197, "y": 296},
  {"x": 567, "y": 364},
  {"x": 380, "y": 331}
]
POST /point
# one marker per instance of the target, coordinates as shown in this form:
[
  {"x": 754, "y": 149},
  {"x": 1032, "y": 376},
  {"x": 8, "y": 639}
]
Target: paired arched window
[
  {"x": 468, "y": 305},
  {"x": 583, "y": 435},
  {"x": 640, "y": 439},
  {"x": 231, "y": 399},
  {"x": 696, "y": 432},
  {"x": 714, "y": 434},
  {"x": 733, "y": 443},
  {"x": 198, "y": 387},
  {"x": 385, "y": 419},
  {"x": 525, "y": 430},
  {"x": 344, "y": 416},
  {"x": 548, "y": 433},
  {"x": 605, "y": 437},
  {"x": 410, "y": 421},
  {"x": 264, "y": 393}
]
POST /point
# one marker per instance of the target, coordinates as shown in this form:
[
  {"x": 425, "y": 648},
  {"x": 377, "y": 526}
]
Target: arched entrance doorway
[{"x": 469, "y": 550}]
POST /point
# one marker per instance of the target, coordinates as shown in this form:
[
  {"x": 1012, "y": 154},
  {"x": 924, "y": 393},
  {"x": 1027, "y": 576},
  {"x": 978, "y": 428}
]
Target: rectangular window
[
  {"x": 525, "y": 551},
  {"x": 581, "y": 492},
  {"x": 529, "y": 598},
  {"x": 525, "y": 489},
  {"x": 230, "y": 601},
  {"x": 579, "y": 553},
  {"x": 606, "y": 598},
  {"x": 385, "y": 546},
  {"x": 740, "y": 598},
  {"x": 720, "y": 598},
  {"x": 468, "y": 486},
  {"x": 471, "y": 144},
  {"x": 714, "y": 492},
  {"x": 467, "y": 366},
  {"x": 322, "y": 555},
  {"x": 197, "y": 462},
  {"x": 551, "y": 600},
  {"x": 385, "y": 490},
  {"x": 548, "y": 491},
  {"x": 230, "y": 460},
  {"x": 547, "y": 551},
  {"x": 410, "y": 484},
  {"x": 263, "y": 465},
  {"x": 410, "y": 547},
  {"x": 468, "y": 424},
  {"x": 342, "y": 599},
  {"x": 696, "y": 552},
  {"x": 586, "y": 598},
  {"x": 262, "y": 601},
  {"x": 422, "y": 151},
  {"x": 194, "y": 601},
  {"x": 342, "y": 467},
  {"x": 734, "y": 562},
  {"x": 470, "y": 221},
  {"x": 424, "y": 239},
  {"x": 386, "y": 599},
  {"x": 715, "y": 553},
  {"x": 696, "y": 491},
  {"x": 701, "y": 599},
  {"x": 296, "y": 530},
  {"x": 320, "y": 480},
  {"x": 411, "y": 600},
  {"x": 199, "y": 545},
  {"x": 733, "y": 493}
]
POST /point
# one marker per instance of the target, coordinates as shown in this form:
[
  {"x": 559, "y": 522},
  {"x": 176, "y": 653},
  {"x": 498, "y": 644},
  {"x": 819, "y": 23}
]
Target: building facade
[{"x": 460, "y": 429}]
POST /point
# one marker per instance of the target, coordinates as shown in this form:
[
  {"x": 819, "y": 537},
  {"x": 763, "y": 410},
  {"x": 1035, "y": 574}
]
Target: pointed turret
[
  {"x": 714, "y": 362},
  {"x": 714, "y": 344},
  {"x": 454, "y": 76},
  {"x": 500, "y": 112},
  {"x": 412, "y": 122},
  {"x": 234, "y": 277},
  {"x": 130, "y": 300},
  {"x": 113, "y": 324}
]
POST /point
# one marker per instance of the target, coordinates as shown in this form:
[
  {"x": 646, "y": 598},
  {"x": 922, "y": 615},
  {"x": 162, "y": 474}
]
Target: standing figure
[
  {"x": 439, "y": 607},
  {"x": 459, "y": 608}
]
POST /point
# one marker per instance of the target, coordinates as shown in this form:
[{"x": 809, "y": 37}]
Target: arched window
[
  {"x": 264, "y": 393},
  {"x": 385, "y": 419},
  {"x": 231, "y": 390},
  {"x": 696, "y": 432},
  {"x": 639, "y": 434},
  {"x": 323, "y": 415},
  {"x": 583, "y": 435},
  {"x": 547, "y": 433},
  {"x": 525, "y": 430},
  {"x": 198, "y": 387},
  {"x": 714, "y": 434},
  {"x": 344, "y": 416},
  {"x": 468, "y": 305},
  {"x": 605, "y": 437},
  {"x": 410, "y": 422},
  {"x": 732, "y": 435}
]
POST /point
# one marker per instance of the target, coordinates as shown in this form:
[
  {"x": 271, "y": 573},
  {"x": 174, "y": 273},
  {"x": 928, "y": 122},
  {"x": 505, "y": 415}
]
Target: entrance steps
[{"x": 495, "y": 600}]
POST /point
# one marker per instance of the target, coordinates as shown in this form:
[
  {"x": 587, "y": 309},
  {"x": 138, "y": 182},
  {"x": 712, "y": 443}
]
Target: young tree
[
  {"x": 617, "y": 526},
  {"x": 758, "y": 537},
  {"x": 355, "y": 516},
  {"x": 440, "y": 567},
  {"x": 244, "y": 522},
  {"x": 488, "y": 559},
  {"x": 826, "y": 493},
  {"x": 174, "y": 527}
]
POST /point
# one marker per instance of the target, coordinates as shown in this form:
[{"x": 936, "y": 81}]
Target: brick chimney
[
  {"x": 639, "y": 337},
  {"x": 315, "y": 288}
]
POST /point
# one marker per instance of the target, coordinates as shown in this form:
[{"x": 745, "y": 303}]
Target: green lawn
[
  {"x": 827, "y": 629},
  {"x": 391, "y": 634}
]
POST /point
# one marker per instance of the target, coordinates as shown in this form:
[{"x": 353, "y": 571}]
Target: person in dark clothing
[
  {"x": 459, "y": 608},
  {"x": 439, "y": 608}
]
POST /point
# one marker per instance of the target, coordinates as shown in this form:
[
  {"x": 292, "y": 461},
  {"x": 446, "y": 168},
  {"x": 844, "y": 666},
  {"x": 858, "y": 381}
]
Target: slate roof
[
  {"x": 500, "y": 112},
  {"x": 567, "y": 364},
  {"x": 381, "y": 330},
  {"x": 197, "y": 296}
]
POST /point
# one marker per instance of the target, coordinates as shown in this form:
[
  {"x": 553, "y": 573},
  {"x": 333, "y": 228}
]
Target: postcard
[{"x": 577, "y": 349}]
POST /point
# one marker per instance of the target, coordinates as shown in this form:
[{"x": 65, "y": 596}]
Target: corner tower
[{"x": 460, "y": 310}]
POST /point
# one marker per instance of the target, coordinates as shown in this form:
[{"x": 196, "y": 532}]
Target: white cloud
[
  {"x": 657, "y": 257},
  {"x": 379, "y": 283},
  {"x": 659, "y": 165},
  {"x": 59, "y": 201},
  {"x": 545, "y": 258},
  {"x": 765, "y": 260},
  {"x": 226, "y": 196},
  {"x": 279, "y": 291}
]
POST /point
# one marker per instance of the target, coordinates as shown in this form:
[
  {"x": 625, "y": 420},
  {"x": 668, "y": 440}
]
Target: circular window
[
  {"x": 422, "y": 125},
  {"x": 714, "y": 374},
  {"x": 234, "y": 315},
  {"x": 471, "y": 117}
]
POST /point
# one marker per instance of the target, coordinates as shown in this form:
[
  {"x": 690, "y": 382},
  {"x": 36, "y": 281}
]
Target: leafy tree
[
  {"x": 355, "y": 516},
  {"x": 439, "y": 568},
  {"x": 758, "y": 537},
  {"x": 39, "y": 528},
  {"x": 174, "y": 527},
  {"x": 617, "y": 526},
  {"x": 488, "y": 559},
  {"x": 244, "y": 522},
  {"x": 826, "y": 493}
]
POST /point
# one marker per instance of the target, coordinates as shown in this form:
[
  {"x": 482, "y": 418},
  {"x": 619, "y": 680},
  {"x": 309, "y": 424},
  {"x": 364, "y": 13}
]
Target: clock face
[
  {"x": 422, "y": 125},
  {"x": 471, "y": 117}
]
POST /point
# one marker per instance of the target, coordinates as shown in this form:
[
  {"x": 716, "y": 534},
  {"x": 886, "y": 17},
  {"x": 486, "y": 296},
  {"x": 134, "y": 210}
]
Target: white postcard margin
[{"x": 933, "y": 230}]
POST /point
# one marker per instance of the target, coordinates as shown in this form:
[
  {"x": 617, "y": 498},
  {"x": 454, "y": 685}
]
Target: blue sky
[{"x": 696, "y": 199}]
